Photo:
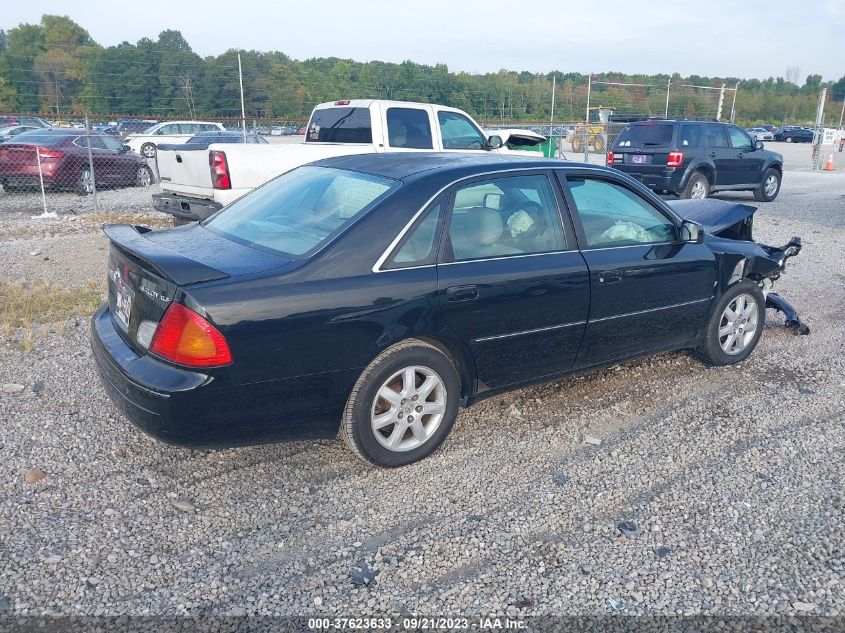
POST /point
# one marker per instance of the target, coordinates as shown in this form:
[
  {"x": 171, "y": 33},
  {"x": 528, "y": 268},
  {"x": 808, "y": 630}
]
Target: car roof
[{"x": 412, "y": 165}]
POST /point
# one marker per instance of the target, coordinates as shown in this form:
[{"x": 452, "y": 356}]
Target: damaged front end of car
[{"x": 728, "y": 226}]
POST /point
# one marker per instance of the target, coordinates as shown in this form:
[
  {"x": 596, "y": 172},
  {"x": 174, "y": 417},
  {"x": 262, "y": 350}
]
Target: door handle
[
  {"x": 462, "y": 293},
  {"x": 610, "y": 277},
  {"x": 740, "y": 155},
  {"x": 712, "y": 154}
]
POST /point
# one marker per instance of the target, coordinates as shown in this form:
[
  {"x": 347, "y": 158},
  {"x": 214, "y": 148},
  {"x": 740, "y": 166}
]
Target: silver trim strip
[
  {"x": 627, "y": 314},
  {"x": 380, "y": 261},
  {"x": 514, "y": 256},
  {"x": 534, "y": 331}
]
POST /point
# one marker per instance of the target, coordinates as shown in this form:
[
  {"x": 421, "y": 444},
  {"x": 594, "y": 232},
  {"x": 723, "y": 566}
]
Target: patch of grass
[
  {"x": 25, "y": 306},
  {"x": 157, "y": 221}
]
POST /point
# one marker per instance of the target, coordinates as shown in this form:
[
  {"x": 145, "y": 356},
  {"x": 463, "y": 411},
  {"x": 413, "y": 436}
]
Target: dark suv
[{"x": 692, "y": 159}]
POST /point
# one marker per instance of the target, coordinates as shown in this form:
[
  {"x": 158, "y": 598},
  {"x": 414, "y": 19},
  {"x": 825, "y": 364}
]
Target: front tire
[
  {"x": 403, "y": 405},
  {"x": 769, "y": 186},
  {"x": 735, "y": 326},
  {"x": 788, "y": 139},
  {"x": 698, "y": 187},
  {"x": 144, "y": 176},
  {"x": 577, "y": 145},
  {"x": 148, "y": 150}
]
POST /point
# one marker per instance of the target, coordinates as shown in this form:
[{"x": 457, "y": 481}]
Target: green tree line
[{"x": 56, "y": 68}]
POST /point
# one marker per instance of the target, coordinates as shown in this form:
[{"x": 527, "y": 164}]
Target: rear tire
[
  {"x": 84, "y": 184},
  {"x": 577, "y": 145},
  {"x": 598, "y": 144},
  {"x": 726, "y": 340},
  {"x": 698, "y": 187},
  {"x": 769, "y": 186},
  {"x": 403, "y": 405}
]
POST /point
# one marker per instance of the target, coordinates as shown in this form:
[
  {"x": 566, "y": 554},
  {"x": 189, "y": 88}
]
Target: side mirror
[
  {"x": 124, "y": 149},
  {"x": 758, "y": 144},
  {"x": 692, "y": 232},
  {"x": 494, "y": 142}
]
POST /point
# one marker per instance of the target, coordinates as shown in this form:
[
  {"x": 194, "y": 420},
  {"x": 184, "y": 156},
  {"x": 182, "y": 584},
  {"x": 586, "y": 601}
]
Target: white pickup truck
[{"x": 198, "y": 180}]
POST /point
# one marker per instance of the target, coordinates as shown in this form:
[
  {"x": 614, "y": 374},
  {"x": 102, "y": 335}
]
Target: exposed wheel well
[{"x": 464, "y": 366}]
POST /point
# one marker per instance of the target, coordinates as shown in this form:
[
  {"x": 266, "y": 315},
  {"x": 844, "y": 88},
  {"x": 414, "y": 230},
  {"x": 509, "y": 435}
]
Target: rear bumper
[
  {"x": 656, "y": 178},
  {"x": 193, "y": 409},
  {"x": 185, "y": 207}
]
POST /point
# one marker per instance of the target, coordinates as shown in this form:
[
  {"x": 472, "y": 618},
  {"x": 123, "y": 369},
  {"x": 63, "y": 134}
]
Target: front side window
[
  {"x": 458, "y": 132},
  {"x": 298, "y": 211},
  {"x": 419, "y": 246},
  {"x": 408, "y": 127},
  {"x": 505, "y": 216},
  {"x": 111, "y": 143},
  {"x": 615, "y": 216},
  {"x": 716, "y": 136},
  {"x": 739, "y": 139}
]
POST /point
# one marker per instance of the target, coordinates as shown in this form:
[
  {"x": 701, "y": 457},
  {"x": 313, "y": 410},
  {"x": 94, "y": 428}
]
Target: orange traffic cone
[{"x": 828, "y": 166}]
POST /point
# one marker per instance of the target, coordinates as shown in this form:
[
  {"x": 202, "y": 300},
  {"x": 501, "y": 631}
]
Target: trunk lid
[
  {"x": 185, "y": 167},
  {"x": 146, "y": 270}
]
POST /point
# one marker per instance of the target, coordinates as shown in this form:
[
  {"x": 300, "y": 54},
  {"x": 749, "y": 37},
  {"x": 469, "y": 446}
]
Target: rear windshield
[
  {"x": 340, "y": 125},
  {"x": 646, "y": 135},
  {"x": 40, "y": 137},
  {"x": 301, "y": 209}
]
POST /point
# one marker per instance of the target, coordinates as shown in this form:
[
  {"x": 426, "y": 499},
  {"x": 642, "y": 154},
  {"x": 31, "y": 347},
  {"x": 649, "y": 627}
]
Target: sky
[{"x": 739, "y": 38}]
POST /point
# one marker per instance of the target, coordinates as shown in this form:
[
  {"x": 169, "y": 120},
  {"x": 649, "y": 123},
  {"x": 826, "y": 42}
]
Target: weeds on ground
[
  {"x": 157, "y": 221},
  {"x": 23, "y": 307}
]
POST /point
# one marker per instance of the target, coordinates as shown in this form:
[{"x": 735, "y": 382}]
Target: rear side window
[
  {"x": 646, "y": 135},
  {"x": 419, "y": 246},
  {"x": 408, "y": 127},
  {"x": 716, "y": 136},
  {"x": 689, "y": 135},
  {"x": 340, "y": 125},
  {"x": 301, "y": 209}
]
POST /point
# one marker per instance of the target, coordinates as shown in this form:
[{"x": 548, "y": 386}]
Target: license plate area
[
  {"x": 123, "y": 297},
  {"x": 639, "y": 159}
]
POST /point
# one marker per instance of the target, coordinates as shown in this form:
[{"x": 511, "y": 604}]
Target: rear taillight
[
  {"x": 185, "y": 338},
  {"x": 676, "y": 159},
  {"x": 610, "y": 158},
  {"x": 45, "y": 152},
  {"x": 219, "y": 170}
]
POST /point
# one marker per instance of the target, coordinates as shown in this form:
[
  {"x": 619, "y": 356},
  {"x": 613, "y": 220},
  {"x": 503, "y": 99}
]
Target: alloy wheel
[
  {"x": 408, "y": 408},
  {"x": 738, "y": 324},
  {"x": 771, "y": 185},
  {"x": 698, "y": 191},
  {"x": 85, "y": 179},
  {"x": 143, "y": 177}
]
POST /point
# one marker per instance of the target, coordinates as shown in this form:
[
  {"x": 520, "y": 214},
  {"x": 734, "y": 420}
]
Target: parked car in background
[
  {"x": 759, "y": 133},
  {"x": 372, "y": 296},
  {"x": 204, "y": 139},
  {"x": 9, "y": 132},
  {"x": 794, "y": 134},
  {"x": 767, "y": 127},
  {"x": 171, "y": 132},
  {"x": 126, "y": 127},
  {"x": 22, "y": 119},
  {"x": 196, "y": 184},
  {"x": 693, "y": 159},
  {"x": 61, "y": 156}
]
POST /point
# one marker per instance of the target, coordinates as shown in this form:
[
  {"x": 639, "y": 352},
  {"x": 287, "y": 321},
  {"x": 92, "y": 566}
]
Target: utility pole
[
  {"x": 668, "y": 87},
  {"x": 241, "y": 81},
  {"x": 721, "y": 102},
  {"x": 587, "y": 118},
  {"x": 733, "y": 105},
  {"x": 552, "y": 117}
]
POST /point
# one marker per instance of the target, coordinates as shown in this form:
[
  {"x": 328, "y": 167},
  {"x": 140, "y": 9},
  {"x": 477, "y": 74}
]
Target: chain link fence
[{"x": 105, "y": 166}]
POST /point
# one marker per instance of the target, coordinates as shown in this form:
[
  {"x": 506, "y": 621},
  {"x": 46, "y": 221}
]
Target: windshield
[
  {"x": 301, "y": 209},
  {"x": 646, "y": 135}
]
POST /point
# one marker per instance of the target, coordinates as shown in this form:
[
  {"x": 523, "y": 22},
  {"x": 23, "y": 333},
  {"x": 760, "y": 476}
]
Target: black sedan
[
  {"x": 373, "y": 295},
  {"x": 794, "y": 135}
]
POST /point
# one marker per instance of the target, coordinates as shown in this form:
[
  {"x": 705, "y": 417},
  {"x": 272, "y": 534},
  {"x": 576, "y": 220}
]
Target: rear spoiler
[{"x": 164, "y": 261}]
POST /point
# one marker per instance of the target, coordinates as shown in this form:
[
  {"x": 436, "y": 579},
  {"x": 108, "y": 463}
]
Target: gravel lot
[{"x": 732, "y": 478}]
